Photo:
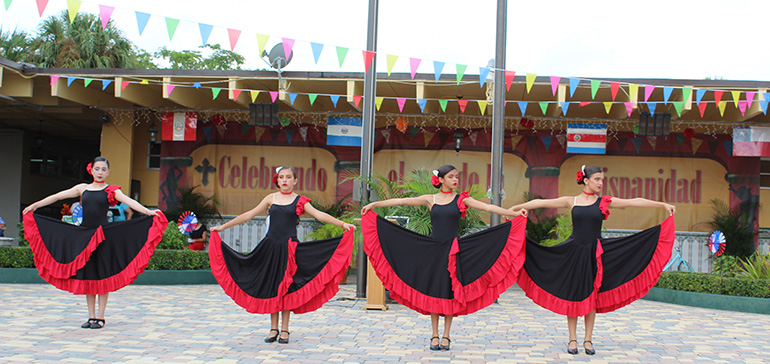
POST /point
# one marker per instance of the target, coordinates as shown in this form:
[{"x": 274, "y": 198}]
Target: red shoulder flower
[
  {"x": 461, "y": 204},
  {"x": 301, "y": 205},
  {"x": 606, "y": 200},
  {"x": 111, "y": 194}
]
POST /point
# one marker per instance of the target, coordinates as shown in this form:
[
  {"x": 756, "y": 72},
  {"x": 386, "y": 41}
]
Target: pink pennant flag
[
  {"x": 509, "y": 76},
  {"x": 105, "y": 13},
  {"x": 413, "y": 64},
  {"x": 750, "y": 97},
  {"x": 123, "y": 85},
  {"x": 169, "y": 89},
  {"x": 463, "y": 104},
  {"x": 368, "y": 58},
  {"x": 234, "y": 35},
  {"x": 401, "y": 102},
  {"x": 614, "y": 86},
  {"x": 236, "y": 94},
  {"x": 555, "y": 84},
  {"x": 648, "y": 91},
  {"x": 702, "y": 108},
  {"x": 718, "y": 96},
  {"x": 274, "y": 95},
  {"x": 742, "y": 106},
  {"x": 629, "y": 107},
  {"x": 41, "y": 4},
  {"x": 288, "y": 44},
  {"x": 54, "y": 79},
  {"x": 584, "y": 103},
  {"x": 356, "y": 99}
]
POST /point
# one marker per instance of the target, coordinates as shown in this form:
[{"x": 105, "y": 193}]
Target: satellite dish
[{"x": 277, "y": 57}]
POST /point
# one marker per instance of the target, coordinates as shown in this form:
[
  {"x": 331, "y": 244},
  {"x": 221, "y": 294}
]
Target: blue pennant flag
[
  {"x": 573, "y": 84},
  {"x": 547, "y": 142},
  {"x": 317, "y": 48},
  {"x": 141, "y": 21},
  {"x": 652, "y": 106},
  {"x": 667, "y": 94},
  {"x": 293, "y": 96},
  {"x": 70, "y": 80},
  {"x": 699, "y": 95},
  {"x": 289, "y": 134},
  {"x": 335, "y": 98},
  {"x": 728, "y": 147},
  {"x": 564, "y": 107},
  {"x": 522, "y": 107},
  {"x": 197, "y": 85},
  {"x": 437, "y": 68},
  {"x": 483, "y": 73},
  {"x": 105, "y": 83},
  {"x": 422, "y": 103},
  {"x": 637, "y": 143},
  {"x": 763, "y": 103},
  {"x": 205, "y": 32},
  {"x": 207, "y": 132}
]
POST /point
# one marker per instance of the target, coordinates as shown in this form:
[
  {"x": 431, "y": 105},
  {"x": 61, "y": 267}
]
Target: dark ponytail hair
[
  {"x": 442, "y": 171},
  {"x": 102, "y": 159},
  {"x": 588, "y": 172},
  {"x": 275, "y": 176}
]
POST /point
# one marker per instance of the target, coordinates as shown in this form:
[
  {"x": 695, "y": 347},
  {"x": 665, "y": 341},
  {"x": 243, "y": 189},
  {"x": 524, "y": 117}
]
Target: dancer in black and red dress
[
  {"x": 94, "y": 258},
  {"x": 442, "y": 274},
  {"x": 282, "y": 274},
  {"x": 586, "y": 274}
]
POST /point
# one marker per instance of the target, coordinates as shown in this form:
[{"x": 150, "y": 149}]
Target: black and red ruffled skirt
[
  {"x": 281, "y": 275},
  {"x": 455, "y": 277},
  {"x": 574, "y": 280},
  {"x": 92, "y": 260}
]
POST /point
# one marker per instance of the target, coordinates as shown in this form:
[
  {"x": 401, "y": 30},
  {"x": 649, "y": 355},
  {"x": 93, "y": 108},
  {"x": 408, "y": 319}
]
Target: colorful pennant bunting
[
  {"x": 614, "y": 86},
  {"x": 262, "y": 42},
  {"x": 564, "y": 108},
  {"x": 414, "y": 63},
  {"x": 555, "y": 84},
  {"x": 391, "y": 60},
  {"x": 205, "y": 30},
  {"x": 274, "y": 96},
  {"x": 699, "y": 95},
  {"x": 233, "y": 35},
  {"x": 312, "y": 98},
  {"x": 482, "y": 106},
  {"x": 648, "y": 89},
  {"x": 546, "y": 141},
  {"x": 356, "y": 100},
  {"x": 667, "y": 94},
  {"x": 41, "y": 4},
  {"x": 316, "y": 48},
  {"x": 368, "y": 59},
  {"x": 215, "y": 92},
  {"x": 736, "y": 96},
  {"x": 236, "y": 94},
  {"x": 594, "y": 88},
  {"x": 442, "y": 103},
  {"x": 543, "y": 106},
  {"x": 342, "y": 52},
  {"x": 378, "y": 102},
  {"x": 335, "y": 99},
  {"x": 483, "y": 73},
  {"x": 288, "y": 47},
  {"x": 171, "y": 25},
  {"x": 422, "y": 103},
  {"x": 573, "y": 85},
  {"x": 72, "y": 8},
  {"x": 401, "y": 102},
  {"x": 254, "y": 95},
  {"x": 522, "y": 107},
  {"x": 437, "y": 68},
  {"x": 105, "y": 13},
  {"x": 530, "y": 81},
  {"x": 292, "y": 97},
  {"x": 509, "y": 76},
  {"x": 105, "y": 83},
  {"x": 460, "y": 71},
  {"x": 463, "y": 104}
]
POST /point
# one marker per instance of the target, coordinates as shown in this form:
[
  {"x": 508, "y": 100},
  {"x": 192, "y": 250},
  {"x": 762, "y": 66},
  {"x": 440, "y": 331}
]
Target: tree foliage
[
  {"x": 220, "y": 59},
  {"x": 15, "y": 45}
]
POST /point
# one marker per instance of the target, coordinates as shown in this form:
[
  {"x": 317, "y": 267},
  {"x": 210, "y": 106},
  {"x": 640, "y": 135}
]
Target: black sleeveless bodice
[
  {"x": 95, "y": 207},
  {"x": 587, "y": 223},
  {"x": 445, "y": 220},
  {"x": 283, "y": 221}
]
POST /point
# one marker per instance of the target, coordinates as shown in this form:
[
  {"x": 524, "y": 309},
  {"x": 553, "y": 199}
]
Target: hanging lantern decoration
[
  {"x": 401, "y": 124},
  {"x": 218, "y": 119},
  {"x": 527, "y": 123},
  {"x": 458, "y": 137},
  {"x": 689, "y": 133}
]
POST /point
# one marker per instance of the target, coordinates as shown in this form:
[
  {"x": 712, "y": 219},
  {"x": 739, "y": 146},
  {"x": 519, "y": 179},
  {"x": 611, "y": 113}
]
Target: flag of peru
[
  {"x": 751, "y": 141},
  {"x": 179, "y": 126},
  {"x": 586, "y": 138}
]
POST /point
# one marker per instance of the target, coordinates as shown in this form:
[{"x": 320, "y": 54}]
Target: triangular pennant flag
[
  {"x": 442, "y": 103},
  {"x": 171, "y": 25},
  {"x": 679, "y": 139},
  {"x": 543, "y": 106},
  {"x": 695, "y": 144},
  {"x": 205, "y": 30},
  {"x": 736, "y": 97},
  {"x": 8, "y": 4},
  {"x": 764, "y": 101},
  {"x": 564, "y": 108},
  {"x": 686, "y": 93},
  {"x": 546, "y": 141},
  {"x": 368, "y": 58},
  {"x": 170, "y": 88},
  {"x": 72, "y": 8},
  {"x": 531, "y": 77},
  {"x": 124, "y": 84},
  {"x": 356, "y": 99},
  {"x": 667, "y": 94},
  {"x": 236, "y": 94},
  {"x": 422, "y": 103},
  {"x": 289, "y": 134},
  {"x": 437, "y": 68},
  {"x": 312, "y": 98},
  {"x": 197, "y": 85},
  {"x": 594, "y": 88},
  {"x": 207, "y": 132},
  {"x": 637, "y": 144},
  {"x": 105, "y": 13},
  {"x": 262, "y": 42},
  {"x": 221, "y": 130},
  {"x": 105, "y": 83},
  {"x": 474, "y": 136},
  {"x": 386, "y": 134},
  {"x": 561, "y": 138},
  {"x": 414, "y": 63},
  {"x": 522, "y": 107},
  {"x": 722, "y": 106},
  {"x": 750, "y": 97},
  {"x": 401, "y": 102},
  {"x": 215, "y": 92},
  {"x": 460, "y": 71},
  {"x": 652, "y": 140},
  {"x": 258, "y": 131},
  {"x": 652, "y": 106},
  {"x": 245, "y": 128},
  {"x": 614, "y": 86},
  {"x": 728, "y": 147},
  {"x": 317, "y": 48},
  {"x": 141, "y": 21},
  {"x": 428, "y": 135},
  {"x": 483, "y": 73},
  {"x": 573, "y": 85},
  {"x": 292, "y": 97},
  {"x": 288, "y": 46},
  {"x": 515, "y": 139},
  {"x": 702, "y": 108},
  {"x": 713, "y": 145},
  {"x": 584, "y": 103},
  {"x": 254, "y": 95},
  {"x": 413, "y": 132},
  {"x": 629, "y": 107},
  {"x": 555, "y": 84},
  {"x": 87, "y": 81},
  {"x": 233, "y": 35},
  {"x": 342, "y": 52},
  {"x": 742, "y": 106},
  {"x": 274, "y": 134},
  {"x": 482, "y": 106},
  {"x": 391, "y": 59},
  {"x": 378, "y": 102},
  {"x": 463, "y": 104},
  {"x": 678, "y": 106},
  {"x": 699, "y": 95},
  {"x": 334, "y": 98},
  {"x": 41, "y": 4},
  {"x": 509, "y": 76},
  {"x": 648, "y": 89},
  {"x": 607, "y": 106},
  {"x": 274, "y": 95},
  {"x": 633, "y": 92},
  {"x": 622, "y": 143},
  {"x": 70, "y": 80},
  {"x": 303, "y": 133}
]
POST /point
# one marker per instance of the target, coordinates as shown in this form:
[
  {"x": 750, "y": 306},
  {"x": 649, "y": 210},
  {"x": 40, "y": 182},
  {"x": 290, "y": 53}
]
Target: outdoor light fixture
[
  {"x": 458, "y": 137},
  {"x": 153, "y": 131}
]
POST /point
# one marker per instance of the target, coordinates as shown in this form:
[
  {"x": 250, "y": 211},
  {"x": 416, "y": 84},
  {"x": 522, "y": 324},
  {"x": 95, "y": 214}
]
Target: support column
[
  {"x": 117, "y": 145},
  {"x": 11, "y": 157},
  {"x": 498, "y": 111}
]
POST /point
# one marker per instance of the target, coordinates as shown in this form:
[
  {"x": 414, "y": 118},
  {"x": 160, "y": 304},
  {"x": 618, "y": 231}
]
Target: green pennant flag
[
  {"x": 678, "y": 106},
  {"x": 8, "y": 4},
  {"x": 244, "y": 128},
  {"x": 443, "y": 104},
  {"x": 679, "y": 139},
  {"x": 171, "y": 25},
  {"x": 87, "y": 81},
  {"x": 543, "y": 106},
  {"x": 215, "y": 92},
  {"x": 594, "y": 87},
  {"x": 342, "y": 52},
  {"x": 413, "y": 132},
  {"x": 460, "y": 72},
  {"x": 312, "y": 98},
  {"x": 686, "y": 93}
]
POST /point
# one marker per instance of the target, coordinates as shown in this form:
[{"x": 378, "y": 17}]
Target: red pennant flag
[
  {"x": 41, "y": 4},
  {"x": 236, "y": 93},
  {"x": 123, "y": 85},
  {"x": 702, "y": 108},
  {"x": 614, "y": 86},
  {"x": 509, "y": 76},
  {"x": 584, "y": 103},
  {"x": 463, "y": 104},
  {"x": 718, "y": 96},
  {"x": 234, "y": 35},
  {"x": 357, "y": 99},
  {"x": 368, "y": 58}
]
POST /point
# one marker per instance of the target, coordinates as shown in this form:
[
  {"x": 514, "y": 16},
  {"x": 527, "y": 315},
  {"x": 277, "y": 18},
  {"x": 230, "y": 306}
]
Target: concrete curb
[{"x": 708, "y": 300}]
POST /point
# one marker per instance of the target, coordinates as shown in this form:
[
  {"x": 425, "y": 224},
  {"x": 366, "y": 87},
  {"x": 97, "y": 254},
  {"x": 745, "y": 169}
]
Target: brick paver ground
[{"x": 187, "y": 324}]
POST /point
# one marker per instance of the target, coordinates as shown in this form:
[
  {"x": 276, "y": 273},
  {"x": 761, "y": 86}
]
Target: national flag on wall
[
  {"x": 751, "y": 141},
  {"x": 344, "y": 131},
  {"x": 179, "y": 126},
  {"x": 586, "y": 138}
]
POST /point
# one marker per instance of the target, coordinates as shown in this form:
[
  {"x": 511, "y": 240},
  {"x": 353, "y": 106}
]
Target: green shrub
[
  {"x": 16, "y": 257},
  {"x": 21, "y": 239},
  {"x": 757, "y": 266},
  {"x": 165, "y": 259},
  {"x": 560, "y": 232},
  {"x": 736, "y": 225},
  {"x": 726, "y": 266},
  {"x": 173, "y": 238},
  {"x": 327, "y": 231},
  {"x": 712, "y": 283}
]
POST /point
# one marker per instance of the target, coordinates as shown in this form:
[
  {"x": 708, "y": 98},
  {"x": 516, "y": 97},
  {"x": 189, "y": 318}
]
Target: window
[
  {"x": 153, "y": 155},
  {"x": 764, "y": 173},
  {"x": 52, "y": 164}
]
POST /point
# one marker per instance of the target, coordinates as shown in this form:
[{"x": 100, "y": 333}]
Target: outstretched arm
[
  {"x": 326, "y": 218},
  {"x": 554, "y": 203},
  {"x": 133, "y": 204},
  {"x": 641, "y": 202},
  {"x": 73, "y": 192},
  {"x": 492, "y": 209},
  {"x": 409, "y": 201},
  {"x": 246, "y": 216}
]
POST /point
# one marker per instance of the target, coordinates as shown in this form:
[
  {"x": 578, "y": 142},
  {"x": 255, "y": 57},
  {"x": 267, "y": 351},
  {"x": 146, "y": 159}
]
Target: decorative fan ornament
[
  {"x": 717, "y": 243},
  {"x": 187, "y": 222},
  {"x": 77, "y": 215}
]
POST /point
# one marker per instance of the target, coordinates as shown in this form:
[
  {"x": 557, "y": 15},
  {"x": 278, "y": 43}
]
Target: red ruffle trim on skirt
[
  {"x": 45, "y": 262},
  {"x": 503, "y": 273},
  {"x": 243, "y": 299},
  {"x": 639, "y": 286},
  {"x": 127, "y": 275},
  {"x": 399, "y": 290},
  {"x": 562, "y": 306},
  {"x": 325, "y": 284}
]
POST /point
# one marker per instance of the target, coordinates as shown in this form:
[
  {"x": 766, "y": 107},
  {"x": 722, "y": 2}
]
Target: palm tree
[{"x": 15, "y": 45}]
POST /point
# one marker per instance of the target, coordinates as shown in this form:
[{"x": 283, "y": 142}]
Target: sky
[{"x": 680, "y": 39}]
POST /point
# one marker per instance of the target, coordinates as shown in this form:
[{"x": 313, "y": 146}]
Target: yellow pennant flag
[
  {"x": 722, "y": 106},
  {"x": 633, "y": 91},
  {"x": 258, "y": 131},
  {"x": 695, "y": 144},
  {"x": 607, "y": 106},
  {"x": 428, "y": 136},
  {"x": 482, "y": 107},
  {"x": 378, "y": 102},
  {"x": 515, "y": 139},
  {"x": 144, "y": 82},
  {"x": 391, "y": 62},
  {"x": 530, "y": 81},
  {"x": 262, "y": 42},
  {"x": 72, "y": 8},
  {"x": 254, "y": 95},
  {"x": 736, "y": 97}
]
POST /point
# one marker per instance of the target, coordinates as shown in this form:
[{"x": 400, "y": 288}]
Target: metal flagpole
[
  {"x": 498, "y": 110},
  {"x": 367, "y": 139}
]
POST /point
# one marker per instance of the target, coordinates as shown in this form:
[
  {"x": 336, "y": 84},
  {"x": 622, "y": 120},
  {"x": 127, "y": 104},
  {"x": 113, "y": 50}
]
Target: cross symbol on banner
[{"x": 205, "y": 168}]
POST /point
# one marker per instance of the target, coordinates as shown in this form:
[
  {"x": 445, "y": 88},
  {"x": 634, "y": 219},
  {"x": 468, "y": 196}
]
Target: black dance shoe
[
  {"x": 87, "y": 325},
  {"x": 282, "y": 340},
  {"x": 434, "y": 347},
  {"x": 445, "y": 347},
  {"x": 97, "y": 323},
  {"x": 572, "y": 351},
  {"x": 272, "y": 339},
  {"x": 589, "y": 351}
]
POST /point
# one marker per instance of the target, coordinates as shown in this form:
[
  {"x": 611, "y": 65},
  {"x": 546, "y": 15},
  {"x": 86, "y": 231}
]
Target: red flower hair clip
[
  {"x": 275, "y": 179},
  {"x": 434, "y": 179},
  {"x": 88, "y": 167},
  {"x": 579, "y": 176}
]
